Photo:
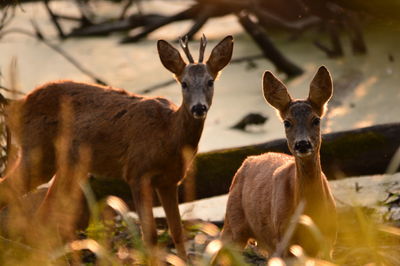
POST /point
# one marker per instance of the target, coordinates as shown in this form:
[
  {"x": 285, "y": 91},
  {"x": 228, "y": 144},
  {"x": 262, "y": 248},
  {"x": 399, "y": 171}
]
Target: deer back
[{"x": 115, "y": 124}]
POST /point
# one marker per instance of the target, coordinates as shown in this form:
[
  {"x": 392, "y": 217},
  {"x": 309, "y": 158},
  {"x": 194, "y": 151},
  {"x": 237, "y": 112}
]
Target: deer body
[
  {"x": 101, "y": 122},
  {"x": 267, "y": 189},
  {"x": 146, "y": 141}
]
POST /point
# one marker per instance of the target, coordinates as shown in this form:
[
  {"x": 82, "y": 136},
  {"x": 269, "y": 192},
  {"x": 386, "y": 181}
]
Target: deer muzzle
[
  {"x": 199, "y": 111},
  {"x": 303, "y": 148}
]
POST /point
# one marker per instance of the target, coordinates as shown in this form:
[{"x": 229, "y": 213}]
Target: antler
[
  {"x": 185, "y": 48},
  {"x": 203, "y": 43}
]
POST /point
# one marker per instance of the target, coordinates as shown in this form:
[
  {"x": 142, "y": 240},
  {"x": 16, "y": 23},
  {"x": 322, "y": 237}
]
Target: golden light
[
  {"x": 213, "y": 247},
  {"x": 117, "y": 204},
  {"x": 200, "y": 239},
  {"x": 123, "y": 253},
  {"x": 174, "y": 260},
  {"x": 276, "y": 262},
  {"x": 89, "y": 244},
  {"x": 210, "y": 229},
  {"x": 306, "y": 220},
  {"x": 297, "y": 251},
  {"x": 310, "y": 262}
]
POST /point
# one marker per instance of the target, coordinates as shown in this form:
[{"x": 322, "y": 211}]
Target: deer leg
[
  {"x": 63, "y": 202},
  {"x": 143, "y": 199},
  {"x": 27, "y": 173},
  {"x": 61, "y": 209},
  {"x": 226, "y": 233},
  {"x": 169, "y": 200},
  {"x": 237, "y": 235}
]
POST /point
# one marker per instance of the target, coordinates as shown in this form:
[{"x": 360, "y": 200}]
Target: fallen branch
[
  {"x": 108, "y": 27},
  {"x": 269, "y": 50},
  {"x": 186, "y": 14},
  {"x": 201, "y": 19}
]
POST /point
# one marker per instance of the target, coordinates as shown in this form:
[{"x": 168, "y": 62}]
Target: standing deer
[
  {"x": 140, "y": 139},
  {"x": 266, "y": 189}
]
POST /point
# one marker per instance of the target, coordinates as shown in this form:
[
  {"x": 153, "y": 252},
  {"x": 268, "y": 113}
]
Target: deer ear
[
  {"x": 170, "y": 57},
  {"x": 321, "y": 90},
  {"x": 275, "y": 92},
  {"x": 220, "y": 55}
]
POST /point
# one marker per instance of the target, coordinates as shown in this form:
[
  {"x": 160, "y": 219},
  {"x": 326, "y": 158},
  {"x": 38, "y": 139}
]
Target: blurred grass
[{"x": 115, "y": 240}]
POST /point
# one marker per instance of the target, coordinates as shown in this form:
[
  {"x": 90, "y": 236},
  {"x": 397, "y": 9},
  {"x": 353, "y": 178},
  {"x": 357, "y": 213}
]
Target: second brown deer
[
  {"x": 267, "y": 189},
  {"x": 148, "y": 142}
]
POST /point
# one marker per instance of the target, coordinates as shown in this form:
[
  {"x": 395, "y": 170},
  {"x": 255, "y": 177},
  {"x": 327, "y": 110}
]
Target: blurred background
[{"x": 115, "y": 41}]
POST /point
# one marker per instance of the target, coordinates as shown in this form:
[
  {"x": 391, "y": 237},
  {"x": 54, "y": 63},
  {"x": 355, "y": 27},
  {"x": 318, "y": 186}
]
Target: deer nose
[
  {"x": 303, "y": 146},
  {"x": 199, "y": 110}
]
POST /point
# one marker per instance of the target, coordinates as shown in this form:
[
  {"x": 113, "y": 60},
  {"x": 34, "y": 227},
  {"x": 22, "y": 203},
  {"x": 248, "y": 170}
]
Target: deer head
[
  {"x": 196, "y": 79},
  {"x": 301, "y": 118}
]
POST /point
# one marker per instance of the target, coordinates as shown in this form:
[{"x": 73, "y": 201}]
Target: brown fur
[
  {"x": 140, "y": 139},
  {"x": 267, "y": 188}
]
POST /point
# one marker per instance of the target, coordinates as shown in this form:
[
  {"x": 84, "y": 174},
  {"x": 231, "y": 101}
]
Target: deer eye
[
  {"x": 184, "y": 85},
  {"x": 316, "y": 121},
  {"x": 287, "y": 124},
  {"x": 210, "y": 83}
]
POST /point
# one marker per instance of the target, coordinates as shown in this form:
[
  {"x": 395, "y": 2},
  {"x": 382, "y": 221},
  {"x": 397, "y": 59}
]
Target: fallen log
[
  {"x": 374, "y": 192},
  {"x": 364, "y": 151}
]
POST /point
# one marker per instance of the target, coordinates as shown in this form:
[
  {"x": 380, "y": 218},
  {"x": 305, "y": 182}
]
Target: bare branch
[
  {"x": 125, "y": 9},
  {"x": 6, "y": 17},
  {"x": 54, "y": 19},
  {"x": 158, "y": 86},
  {"x": 11, "y": 91},
  {"x": 86, "y": 13}
]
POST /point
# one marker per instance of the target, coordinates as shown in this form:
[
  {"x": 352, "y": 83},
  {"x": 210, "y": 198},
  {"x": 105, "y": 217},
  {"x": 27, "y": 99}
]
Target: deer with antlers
[
  {"x": 148, "y": 142},
  {"x": 267, "y": 189}
]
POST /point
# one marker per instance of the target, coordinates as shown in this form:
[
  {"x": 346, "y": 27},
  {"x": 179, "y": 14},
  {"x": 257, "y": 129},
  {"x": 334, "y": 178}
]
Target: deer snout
[
  {"x": 199, "y": 110},
  {"x": 303, "y": 148}
]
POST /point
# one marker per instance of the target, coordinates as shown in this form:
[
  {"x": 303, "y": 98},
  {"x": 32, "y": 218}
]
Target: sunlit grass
[{"x": 113, "y": 238}]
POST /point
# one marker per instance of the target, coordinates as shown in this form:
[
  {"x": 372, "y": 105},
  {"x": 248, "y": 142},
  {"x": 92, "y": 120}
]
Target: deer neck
[
  {"x": 309, "y": 178},
  {"x": 187, "y": 129}
]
